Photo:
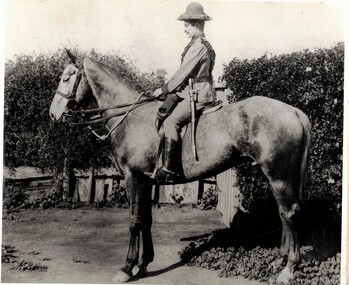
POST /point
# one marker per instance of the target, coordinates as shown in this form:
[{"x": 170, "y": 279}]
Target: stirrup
[
  {"x": 163, "y": 175},
  {"x": 166, "y": 176},
  {"x": 150, "y": 174}
]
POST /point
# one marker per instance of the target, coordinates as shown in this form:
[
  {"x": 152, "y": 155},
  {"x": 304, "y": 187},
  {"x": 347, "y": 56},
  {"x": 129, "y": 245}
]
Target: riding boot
[{"x": 171, "y": 158}]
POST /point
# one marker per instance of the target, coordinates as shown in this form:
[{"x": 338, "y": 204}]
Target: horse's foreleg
[
  {"x": 148, "y": 250},
  {"x": 135, "y": 189},
  {"x": 133, "y": 249}
]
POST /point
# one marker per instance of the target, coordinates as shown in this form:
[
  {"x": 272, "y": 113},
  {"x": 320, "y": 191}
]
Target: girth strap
[{"x": 201, "y": 79}]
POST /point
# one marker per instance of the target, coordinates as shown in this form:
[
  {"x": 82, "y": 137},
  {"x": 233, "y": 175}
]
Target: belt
[{"x": 195, "y": 80}]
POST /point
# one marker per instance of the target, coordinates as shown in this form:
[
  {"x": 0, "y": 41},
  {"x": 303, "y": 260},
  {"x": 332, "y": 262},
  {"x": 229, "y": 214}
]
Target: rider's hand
[{"x": 157, "y": 92}]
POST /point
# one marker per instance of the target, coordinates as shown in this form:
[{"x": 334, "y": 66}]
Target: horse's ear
[{"x": 72, "y": 58}]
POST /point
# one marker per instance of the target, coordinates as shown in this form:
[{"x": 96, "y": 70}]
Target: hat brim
[{"x": 185, "y": 17}]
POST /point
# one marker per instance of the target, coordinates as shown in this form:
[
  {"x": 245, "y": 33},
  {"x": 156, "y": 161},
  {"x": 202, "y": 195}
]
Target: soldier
[{"x": 197, "y": 62}]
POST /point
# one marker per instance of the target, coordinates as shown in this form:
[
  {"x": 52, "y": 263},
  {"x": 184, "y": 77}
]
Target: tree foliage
[
  {"x": 313, "y": 82},
  {"x": 30, "y": 138}
]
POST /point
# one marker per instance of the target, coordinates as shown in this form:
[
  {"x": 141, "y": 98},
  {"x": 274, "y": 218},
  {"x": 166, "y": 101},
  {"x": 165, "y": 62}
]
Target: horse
[{"x": 275, "y": 135}]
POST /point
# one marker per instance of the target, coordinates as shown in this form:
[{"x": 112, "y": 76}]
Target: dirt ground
[{"x": 88, "y": 245}]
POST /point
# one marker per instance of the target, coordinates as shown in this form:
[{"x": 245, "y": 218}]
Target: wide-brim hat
[{"x": 194, "y": 11}]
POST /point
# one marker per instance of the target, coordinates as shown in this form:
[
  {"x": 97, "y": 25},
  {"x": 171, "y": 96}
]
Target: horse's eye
[
  {"x": 72, "y": 72},
  {"x": 66, "y": 79}
]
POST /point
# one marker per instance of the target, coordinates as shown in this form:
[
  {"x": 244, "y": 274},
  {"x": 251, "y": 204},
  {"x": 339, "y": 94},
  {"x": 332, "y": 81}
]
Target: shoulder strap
[
  {"x": 186, "y": 49},
  {"x": 210, "y": 51}
]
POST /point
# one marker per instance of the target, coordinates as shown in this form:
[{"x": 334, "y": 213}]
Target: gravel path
[{"x": 89, "y": 246}]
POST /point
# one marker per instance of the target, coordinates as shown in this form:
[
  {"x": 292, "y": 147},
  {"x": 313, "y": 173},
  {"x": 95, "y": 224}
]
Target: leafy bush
[
  {"x": 15, "y": 197},
  {"x": 232, "y": 257},
  {"x": 209, "y": 199},
  {"x": 312, "y": 82},
  {"x": 325, "y": 272},
  {"x": 29, "y": 266},
  {"x": 7, "y": 254},
  {"x": 118, "y": 197},
  {"x": 52, "y": 200}
]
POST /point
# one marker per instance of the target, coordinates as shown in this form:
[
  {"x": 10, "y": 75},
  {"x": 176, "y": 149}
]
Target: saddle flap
[{"x": 213, "y": 107}]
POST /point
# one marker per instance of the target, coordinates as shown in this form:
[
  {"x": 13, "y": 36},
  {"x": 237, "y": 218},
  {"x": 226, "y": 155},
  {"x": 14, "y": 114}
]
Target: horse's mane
[{"x": 123, "y": 74}]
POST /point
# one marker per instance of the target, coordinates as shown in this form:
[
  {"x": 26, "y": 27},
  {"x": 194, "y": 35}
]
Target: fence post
[
  {"x": 228, "y": 191},
  {"x": 228, "y": 195},
  {"x": 65, "y": 179},
  {"x": 91, "y": 185}
]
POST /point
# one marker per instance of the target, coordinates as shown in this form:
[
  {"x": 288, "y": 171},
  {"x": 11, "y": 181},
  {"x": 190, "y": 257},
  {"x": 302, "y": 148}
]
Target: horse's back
[
  {"x": 257, "y": 126},
  {"x": 275, "y": 115},
  {"x": 255, "y": 112}
]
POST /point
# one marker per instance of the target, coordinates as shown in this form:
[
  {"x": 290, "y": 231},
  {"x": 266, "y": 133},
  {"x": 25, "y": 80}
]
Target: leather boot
[{"x": 171, "y": 159}]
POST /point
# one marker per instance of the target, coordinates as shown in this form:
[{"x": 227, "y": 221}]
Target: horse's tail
[{"x": 304, "y": 150}]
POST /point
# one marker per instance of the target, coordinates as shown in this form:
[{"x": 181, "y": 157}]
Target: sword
[{"x": 193, "y": 96}]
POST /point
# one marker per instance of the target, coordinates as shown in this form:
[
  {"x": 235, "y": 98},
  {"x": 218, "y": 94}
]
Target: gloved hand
[{"x": 157, "y": 92}]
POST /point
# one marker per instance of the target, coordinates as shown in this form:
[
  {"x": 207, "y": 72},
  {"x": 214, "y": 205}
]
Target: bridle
[
  {"x": 73, "y": 105},
  {"x": 72, "y": 95}
]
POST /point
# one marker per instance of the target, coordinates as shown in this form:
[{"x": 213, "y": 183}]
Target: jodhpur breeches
[{"x": 180, "y": 116}]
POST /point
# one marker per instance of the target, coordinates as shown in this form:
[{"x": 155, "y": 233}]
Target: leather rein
[{"x": 72, "y": 105}]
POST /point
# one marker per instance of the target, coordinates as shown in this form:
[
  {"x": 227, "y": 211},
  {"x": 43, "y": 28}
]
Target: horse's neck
[{"x": 106, "y": 87}]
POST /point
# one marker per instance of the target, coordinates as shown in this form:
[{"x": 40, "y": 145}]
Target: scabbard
[{"x": 192, "y": 100}]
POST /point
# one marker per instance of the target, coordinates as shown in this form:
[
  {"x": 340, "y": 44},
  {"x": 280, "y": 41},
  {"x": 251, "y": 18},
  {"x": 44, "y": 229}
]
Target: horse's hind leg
[{"x": 288, "y": 206}]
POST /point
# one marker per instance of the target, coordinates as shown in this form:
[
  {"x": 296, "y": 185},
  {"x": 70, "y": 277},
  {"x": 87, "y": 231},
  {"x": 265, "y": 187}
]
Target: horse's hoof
[
  {"x": 285, "y": 277},
  {"x": 277, "y": 265},
  {"x": 122, "y": 276},
  {"x": 142, "y": 273}
]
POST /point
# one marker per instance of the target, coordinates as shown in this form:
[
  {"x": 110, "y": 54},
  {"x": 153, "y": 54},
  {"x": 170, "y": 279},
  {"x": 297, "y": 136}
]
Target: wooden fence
[{"x": 97, "y": 185}]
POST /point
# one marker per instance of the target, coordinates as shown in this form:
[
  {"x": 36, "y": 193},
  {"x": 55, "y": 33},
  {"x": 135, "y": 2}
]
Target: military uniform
[{"x": 197, "y": 62}]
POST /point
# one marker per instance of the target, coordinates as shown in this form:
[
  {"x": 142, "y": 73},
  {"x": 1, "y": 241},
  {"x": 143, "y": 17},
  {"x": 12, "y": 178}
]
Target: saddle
[
  {"x": 166, "y": 110},
  {"x": 211, "y": 108},
  {"x": 168, "y": 106}
]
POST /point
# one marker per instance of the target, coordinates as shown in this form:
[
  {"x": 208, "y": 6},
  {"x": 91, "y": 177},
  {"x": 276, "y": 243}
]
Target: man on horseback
[{"x": 197, "y": 63}]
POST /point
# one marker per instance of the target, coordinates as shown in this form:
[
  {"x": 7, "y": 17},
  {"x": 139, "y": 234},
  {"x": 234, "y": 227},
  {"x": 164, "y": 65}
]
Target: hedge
[
  {"x": 224, "y": 252},
  {"x": 312, "y": 81}
]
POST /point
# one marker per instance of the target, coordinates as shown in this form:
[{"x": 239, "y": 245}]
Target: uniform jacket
[{"x": 197, "y": 63}]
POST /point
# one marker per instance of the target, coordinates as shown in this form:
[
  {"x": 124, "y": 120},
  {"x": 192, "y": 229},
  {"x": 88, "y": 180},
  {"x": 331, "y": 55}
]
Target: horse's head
[{"x": 72, "y": 88}]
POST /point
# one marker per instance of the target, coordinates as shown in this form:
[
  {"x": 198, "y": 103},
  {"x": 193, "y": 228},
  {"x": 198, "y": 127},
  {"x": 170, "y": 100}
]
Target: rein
[
  {"x": 133, "y": 106},
  {"x": 70, "y": 111},
  {"x": 98, "y": 118}
]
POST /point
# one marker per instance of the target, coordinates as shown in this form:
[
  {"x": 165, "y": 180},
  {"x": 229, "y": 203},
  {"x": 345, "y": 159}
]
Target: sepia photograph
[{"x": 174, "y": 142}]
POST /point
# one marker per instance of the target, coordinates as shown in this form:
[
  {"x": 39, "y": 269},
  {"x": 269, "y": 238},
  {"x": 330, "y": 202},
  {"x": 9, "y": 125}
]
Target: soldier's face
[{"x": 190, "y": 29}]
